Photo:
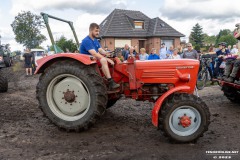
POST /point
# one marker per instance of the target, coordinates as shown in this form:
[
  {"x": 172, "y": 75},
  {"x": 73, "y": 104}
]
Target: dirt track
[{"x": 124, "y": 132}]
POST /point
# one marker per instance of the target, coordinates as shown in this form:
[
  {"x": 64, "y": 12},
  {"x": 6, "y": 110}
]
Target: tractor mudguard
[
  {"x": 46, "y": 61},
  {"x": 158, "y": 103}
]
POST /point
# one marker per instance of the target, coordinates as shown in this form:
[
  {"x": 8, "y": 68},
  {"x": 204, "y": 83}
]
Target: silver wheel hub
[
  {"x": 68, "y": 97},
  {"x": 185, "y": 121}
]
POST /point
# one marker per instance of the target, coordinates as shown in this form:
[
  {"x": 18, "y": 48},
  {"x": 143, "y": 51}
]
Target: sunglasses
[{"x": 189, "y": 46}]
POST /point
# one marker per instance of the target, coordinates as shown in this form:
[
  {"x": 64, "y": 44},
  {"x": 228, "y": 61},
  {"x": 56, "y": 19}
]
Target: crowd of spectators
[{"x": 164, "y": 53}]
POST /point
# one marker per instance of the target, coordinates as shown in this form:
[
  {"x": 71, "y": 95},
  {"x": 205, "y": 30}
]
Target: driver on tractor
[{"x": 92, "y": 47}]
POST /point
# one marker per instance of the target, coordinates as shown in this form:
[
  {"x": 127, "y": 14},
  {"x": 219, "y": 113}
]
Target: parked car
[{"x": 38, "y": 54}]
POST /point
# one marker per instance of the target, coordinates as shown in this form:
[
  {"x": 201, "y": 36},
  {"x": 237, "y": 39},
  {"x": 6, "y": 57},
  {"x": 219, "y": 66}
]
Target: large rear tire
[
  {"x": 72, "y": 95},
  {"x": 3, "y": 84},
  {"x": 231, "y": 93},
  {"x": 184, "y": 118}
]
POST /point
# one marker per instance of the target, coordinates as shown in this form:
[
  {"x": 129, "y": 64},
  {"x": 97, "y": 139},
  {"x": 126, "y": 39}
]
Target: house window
[
  {"x": 168, "y": 43},
  {"x": 138, "y": 24}
]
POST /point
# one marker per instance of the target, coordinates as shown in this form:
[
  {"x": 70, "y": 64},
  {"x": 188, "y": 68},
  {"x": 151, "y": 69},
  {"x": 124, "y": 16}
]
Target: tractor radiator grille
[{"x": 158, "y": 74}]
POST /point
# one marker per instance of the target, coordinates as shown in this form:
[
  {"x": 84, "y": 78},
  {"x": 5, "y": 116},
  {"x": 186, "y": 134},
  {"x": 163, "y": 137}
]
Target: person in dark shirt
[
  {"x": 190, "y": 53},
  {"x": 28, "y": 62},
  {"x": 33, "y": 62},
  {"x": 125, "y": 51},
  {"x": 91, "y": 46},
  {"x": 131, "y": 53},
  {"x": 223, "y": 51}
]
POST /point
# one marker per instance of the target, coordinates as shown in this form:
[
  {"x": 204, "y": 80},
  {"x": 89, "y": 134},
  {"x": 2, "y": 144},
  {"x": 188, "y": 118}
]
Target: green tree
[
  {"x": 229, "y": 39},
  {"x": 221, "y": 33},
  {"x": 209, "y": 40},
  {"x": 65, "y": 44},
  {"x": 26, "y": 27},
  {"x": 196, "y": 36}
]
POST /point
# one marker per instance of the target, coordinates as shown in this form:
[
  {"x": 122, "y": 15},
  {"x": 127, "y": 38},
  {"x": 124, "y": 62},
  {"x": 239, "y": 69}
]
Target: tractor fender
[
  {"x": 158, "y": 103},
  {"x": 44, "y": 62}
]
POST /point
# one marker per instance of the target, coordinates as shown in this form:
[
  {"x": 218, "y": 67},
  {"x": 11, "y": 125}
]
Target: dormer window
[{"x": 138, "y": 24}]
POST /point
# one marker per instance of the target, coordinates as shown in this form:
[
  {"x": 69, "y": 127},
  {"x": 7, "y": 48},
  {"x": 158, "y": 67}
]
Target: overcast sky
[{"x": 182, "y": 15}]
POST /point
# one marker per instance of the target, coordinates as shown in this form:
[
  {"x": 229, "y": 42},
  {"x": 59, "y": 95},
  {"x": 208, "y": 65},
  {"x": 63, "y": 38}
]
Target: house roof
[{"x": 119, "y": 23}]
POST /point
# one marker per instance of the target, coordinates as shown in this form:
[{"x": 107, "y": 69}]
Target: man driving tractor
[{"x": 91, "y": 46}]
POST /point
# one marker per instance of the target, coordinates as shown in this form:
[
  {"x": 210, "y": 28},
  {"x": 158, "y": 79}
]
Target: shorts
[{"x": 28, "y": 65}]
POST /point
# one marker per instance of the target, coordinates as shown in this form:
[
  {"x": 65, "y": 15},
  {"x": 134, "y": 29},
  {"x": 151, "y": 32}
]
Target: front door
[{"x": 141, "y": 44}]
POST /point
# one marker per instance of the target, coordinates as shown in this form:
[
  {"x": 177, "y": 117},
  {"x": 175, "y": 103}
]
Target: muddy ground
[{"x": 124, "y": 132}]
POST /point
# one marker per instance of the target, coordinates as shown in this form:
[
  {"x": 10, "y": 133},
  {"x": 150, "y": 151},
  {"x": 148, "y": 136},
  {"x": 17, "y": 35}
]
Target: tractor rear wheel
[
  {"x": 72, "y": 95},
  {"x": 231, "y": 93},
  {"x": 3, "y": 84},
  {"x": 184, "y": 118}
]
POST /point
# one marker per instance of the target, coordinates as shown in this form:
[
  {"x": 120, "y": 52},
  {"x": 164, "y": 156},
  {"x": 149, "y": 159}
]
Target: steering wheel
[{"x": 113, "y": 54}]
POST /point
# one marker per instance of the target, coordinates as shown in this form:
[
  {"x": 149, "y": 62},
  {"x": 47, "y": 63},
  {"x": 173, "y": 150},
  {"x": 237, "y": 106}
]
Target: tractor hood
[
  {"x": 177, "y": 71},
  {"x": 166, "y": 70}
]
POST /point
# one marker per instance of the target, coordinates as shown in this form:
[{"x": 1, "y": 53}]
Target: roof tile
[{"x": 119, "y": 23}]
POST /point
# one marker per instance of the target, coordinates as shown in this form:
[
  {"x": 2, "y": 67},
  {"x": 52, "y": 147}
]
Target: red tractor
[{"x": 73, "y": 94}]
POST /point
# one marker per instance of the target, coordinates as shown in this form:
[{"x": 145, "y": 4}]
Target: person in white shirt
[
  {"x": 143, "y": 55},
  {"x": 234, "y": 50},
  {"x": 175, "y": 54},
  {"x": 163, "y": 51}
]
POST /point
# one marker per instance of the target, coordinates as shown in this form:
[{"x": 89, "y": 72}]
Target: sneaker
[
  {"x": 229, "y": 79},
  {"x": 113, "y": 85},
  {"x": 237, "y": 82},
  {"x": 221, "y": 77},
  {"x": 225, "y": 78}
]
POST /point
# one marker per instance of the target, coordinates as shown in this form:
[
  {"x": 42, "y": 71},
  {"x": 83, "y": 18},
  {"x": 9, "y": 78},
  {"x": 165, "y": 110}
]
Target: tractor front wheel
[
  {"x": 72, "y": 95},
  {"x": 184, "y": 117}
]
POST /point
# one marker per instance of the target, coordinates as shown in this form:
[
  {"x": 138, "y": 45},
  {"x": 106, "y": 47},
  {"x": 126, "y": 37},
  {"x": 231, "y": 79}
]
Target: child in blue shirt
[{"x": 153, "y": 55}]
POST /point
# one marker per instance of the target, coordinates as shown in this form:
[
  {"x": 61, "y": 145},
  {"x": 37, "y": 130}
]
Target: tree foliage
[
  {"x": 196, "y": 36},
  {"x": 65, "y": 44},
  {"x": 229, "y": 39},
  {"x": 209, "y": 40},
  {"x": 26, "y": 27},
  {"x": 221, "y": 33},
  {"x": 200, "y": 39}
]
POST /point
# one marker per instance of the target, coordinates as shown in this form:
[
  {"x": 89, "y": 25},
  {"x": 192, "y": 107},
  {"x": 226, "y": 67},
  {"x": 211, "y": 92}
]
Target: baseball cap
[{"x": 224, "y": 44}]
